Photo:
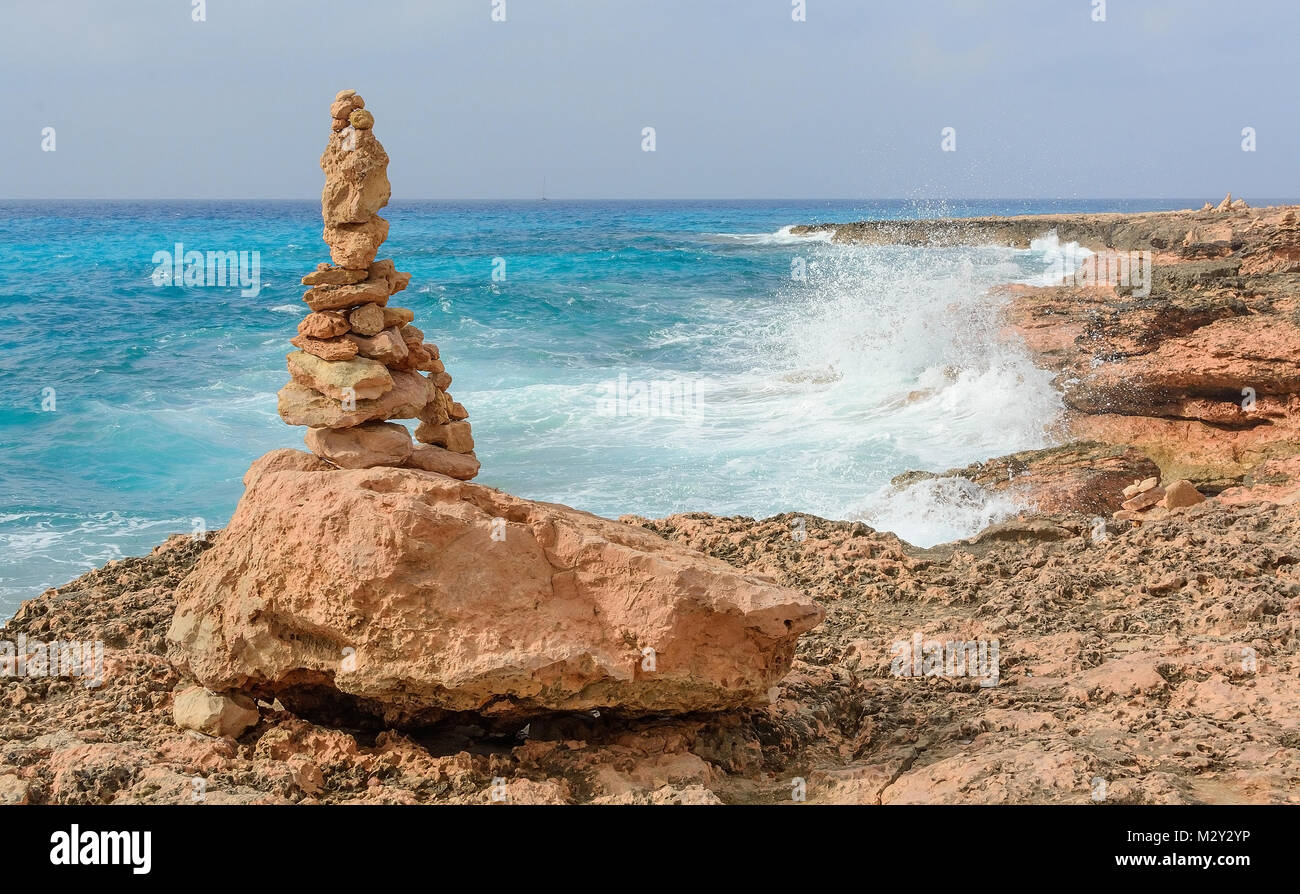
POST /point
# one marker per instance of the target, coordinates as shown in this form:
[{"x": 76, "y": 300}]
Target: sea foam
[
  {"x": 783, "y": 394},
  {"x": 783, "y": 236}
]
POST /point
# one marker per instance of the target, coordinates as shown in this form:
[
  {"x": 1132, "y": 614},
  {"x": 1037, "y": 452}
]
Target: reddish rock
[
  {"x": 355, "y": 379},
  {"x": 300, "y": 405},
  {"x": 356, "y": 176},
  {"x": 454, "y": 436},
  {"x": 462, "y": 466},
  {"x": 1199, "y": 374},
  {"x": 286, "y": 459},
  {"x": 362, "y": 446},
  {"x": 386, "y": 271},
  {"x": 337, "y": 383},
  {"x": 367, "y": 320},
  {"x": 1145, "y": 499},
  {"x": 1189, "y": 692},
  {"x": 419, "y": 357},
  {"x": 326, "y": 324},
  {"x": 387, "y": 346},
  {"x": 329, "y": 275},
  {"x": 447, "y": 610},
  {"x": 1181, "y": 493},
  {"x": 355, "y": 245},
  {"x": 398, "y": 317},
  {"x": 437, "y": 410},
  {"x": 1274, "y": 481},
  {"x": 370, "y": 291},
  {"x": 326, "y": 348},
  {"x": 1077, "y": 477}
]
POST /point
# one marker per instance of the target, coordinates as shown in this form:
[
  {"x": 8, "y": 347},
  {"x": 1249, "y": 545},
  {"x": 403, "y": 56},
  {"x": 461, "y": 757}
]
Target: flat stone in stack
[{"x": 360, "y": 362}]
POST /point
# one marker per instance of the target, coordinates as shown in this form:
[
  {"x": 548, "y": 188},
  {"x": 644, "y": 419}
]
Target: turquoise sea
[{"x": 130, "y": 410}]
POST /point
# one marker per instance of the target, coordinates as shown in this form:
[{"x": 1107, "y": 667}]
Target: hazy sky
[{"x": 746, "y": 103}]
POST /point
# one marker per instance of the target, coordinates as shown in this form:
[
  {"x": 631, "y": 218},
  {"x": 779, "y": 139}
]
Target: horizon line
[{"x": 540, "y": 200}]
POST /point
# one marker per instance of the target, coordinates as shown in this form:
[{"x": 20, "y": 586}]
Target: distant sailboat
[{"x": 544, "y": 199}]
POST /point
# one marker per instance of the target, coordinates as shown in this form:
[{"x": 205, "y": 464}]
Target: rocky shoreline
[
  {"x": 1147, "y": 657},
  {"x": 1197, "y": 370}
]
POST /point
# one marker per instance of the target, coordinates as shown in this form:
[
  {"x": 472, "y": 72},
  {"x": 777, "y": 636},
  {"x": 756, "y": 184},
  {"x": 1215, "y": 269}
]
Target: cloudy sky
[{"x": 745, "y": 102}]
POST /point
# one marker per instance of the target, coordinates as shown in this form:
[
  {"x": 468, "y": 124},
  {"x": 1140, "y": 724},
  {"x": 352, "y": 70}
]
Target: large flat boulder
[{"x": 401, "y": 595}]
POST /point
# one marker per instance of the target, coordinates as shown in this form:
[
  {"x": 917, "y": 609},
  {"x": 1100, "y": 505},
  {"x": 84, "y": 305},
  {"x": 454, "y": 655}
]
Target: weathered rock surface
[
  {"x": 286, "y": 459},
  {"x": 367, "y": 320},
  {"x": 386, "y": 346},
  {"x": 332, "y": 349},
  {"x": 387, "y": 272},
  {"x": 368, "y": 291},
  {"x": 325, "y": 324},
  {"x": 1160, "y": 659},
  {"x": 384, "y": 592},
  {"x": 454, "y": 436},
  {"x": 461, "y": 466},
  {"x": 329, "y": 275},
  {"x": 355, "y": 379},
  {"x": 1145, "y": 499},
  {"x": 356, "y": 177},
  {"x": 1201, "y": 374},
  {"x": 421, "y": 358},
  {"x": 1275, "y": 480},
  {"x": 355, "y": 245},
  {"x": 1084, "y": 476},
  {"x": 398, "y": 317}
]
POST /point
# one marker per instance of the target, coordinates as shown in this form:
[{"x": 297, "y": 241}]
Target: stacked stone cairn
[
  {"x": 1228, "y": 204},
  {"x": 1148, "y": 501},
  {"x": 361, "y": 363}
]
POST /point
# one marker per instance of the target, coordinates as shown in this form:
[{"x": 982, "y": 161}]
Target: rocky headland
[
  {"x": 369, "y": 630},
  {"x": 1196, "y": 369}
]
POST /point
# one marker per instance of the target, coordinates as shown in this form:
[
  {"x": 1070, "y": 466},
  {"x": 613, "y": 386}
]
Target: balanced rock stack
[
  {"x": 1148, "y": 501},
  {"x": 360, "y": 362},
  {"x": 1228, "y": 204}
]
